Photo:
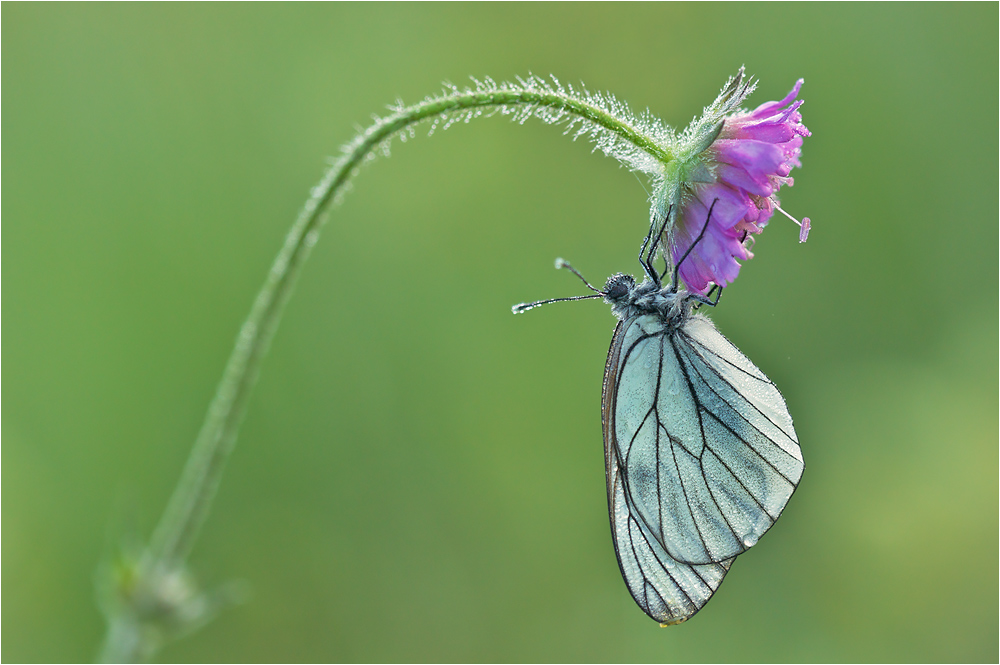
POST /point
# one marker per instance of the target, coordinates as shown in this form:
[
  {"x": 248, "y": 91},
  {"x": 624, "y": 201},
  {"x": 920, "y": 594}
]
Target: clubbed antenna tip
[{"x": 522, "y": 307}]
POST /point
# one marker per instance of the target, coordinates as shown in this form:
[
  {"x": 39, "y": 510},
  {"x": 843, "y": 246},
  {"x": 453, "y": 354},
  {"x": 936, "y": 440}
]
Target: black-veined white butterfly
[{"x": 699, "y": 449}]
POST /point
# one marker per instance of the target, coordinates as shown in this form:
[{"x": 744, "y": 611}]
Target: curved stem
[{"x": 188, "y": 507}]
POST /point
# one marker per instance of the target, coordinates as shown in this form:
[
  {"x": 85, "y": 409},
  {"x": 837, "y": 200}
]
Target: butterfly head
[
  {"x": 629, "y": 299},
  {"x": 618, "y": 287}
]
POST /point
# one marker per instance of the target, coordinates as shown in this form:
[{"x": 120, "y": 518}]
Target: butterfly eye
[{"x": 618, "y": 286}]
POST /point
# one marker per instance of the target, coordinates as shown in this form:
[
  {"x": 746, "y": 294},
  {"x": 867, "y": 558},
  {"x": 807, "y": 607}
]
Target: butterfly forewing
[
  {"x": 702, "y": 439},
  {"x": 752, "y": 460}
]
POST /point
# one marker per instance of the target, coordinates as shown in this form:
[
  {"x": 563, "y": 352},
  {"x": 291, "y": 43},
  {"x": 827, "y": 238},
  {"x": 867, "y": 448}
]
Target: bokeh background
[{"x": 420, "y": 476}]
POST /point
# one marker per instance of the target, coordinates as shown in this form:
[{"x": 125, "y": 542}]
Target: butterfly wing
[
  {"x": 705, "y": 447},
  {"x": 751, "y": 463},
  {"x": 669, "y": 591}
]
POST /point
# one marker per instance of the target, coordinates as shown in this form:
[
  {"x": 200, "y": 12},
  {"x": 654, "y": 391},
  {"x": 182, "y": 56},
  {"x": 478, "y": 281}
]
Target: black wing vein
[
  {"x": 736, "y": 411},
  {"x": 695, "y": 342},
  {"x": 701, "y": 467},
  {"x": 735, "y": 390}
]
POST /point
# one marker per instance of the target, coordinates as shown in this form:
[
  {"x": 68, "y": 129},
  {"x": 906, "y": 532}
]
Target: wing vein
[
  {"x": 641, "y": 338},
  {"x": 701, "y": 466},
  {"x": 656, "y": 556},
  {"x": 687, "y": 500},
  {"x": 736, "y": 410},
  {"x": 732, "y": 431},
  {"x": 623, "y": 461},
  {"x": 711, "y": 493},
  {"x": 659, "y": 490},
  {"x": 745, "y": 489},
  {"x": 695, "y": 342}
]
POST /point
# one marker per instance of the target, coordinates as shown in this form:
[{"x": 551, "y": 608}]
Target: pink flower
[{"x": 749, "y": 160}]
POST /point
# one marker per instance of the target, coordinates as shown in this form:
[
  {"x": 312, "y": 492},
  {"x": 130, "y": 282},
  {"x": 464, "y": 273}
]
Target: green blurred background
[{"x": 420, "y": 476}]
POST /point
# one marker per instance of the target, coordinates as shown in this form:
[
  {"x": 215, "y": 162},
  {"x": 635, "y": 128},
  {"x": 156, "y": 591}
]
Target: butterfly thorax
[{"x": 627, "y": 299}]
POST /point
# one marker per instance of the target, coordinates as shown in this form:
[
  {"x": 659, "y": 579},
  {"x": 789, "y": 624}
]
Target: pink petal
[
  {"x": 728, "y": 211},
  {"x": 759, "y": 158},
  {"x": 768, "y": 108},
  {"x": 738, "y": 177},
  {"x": 772, "y": 132}
]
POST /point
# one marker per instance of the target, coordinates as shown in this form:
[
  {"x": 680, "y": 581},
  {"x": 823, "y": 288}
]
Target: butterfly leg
[
  {"x": 706, "y": 299},
  {"x": 652, "y": 241},
  {"x": 643, "y": 261}
]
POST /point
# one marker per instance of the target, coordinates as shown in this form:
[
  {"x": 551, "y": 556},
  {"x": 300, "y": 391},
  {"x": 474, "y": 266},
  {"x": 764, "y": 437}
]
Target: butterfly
[{"x": 699, "y": 449}]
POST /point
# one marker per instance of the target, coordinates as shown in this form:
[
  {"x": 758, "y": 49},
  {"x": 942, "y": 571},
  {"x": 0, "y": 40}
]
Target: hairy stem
[{"x": 188, "y": 507}]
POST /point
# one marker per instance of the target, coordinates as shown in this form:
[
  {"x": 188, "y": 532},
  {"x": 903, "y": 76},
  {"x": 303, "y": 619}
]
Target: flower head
[{"x": 737, "y": 160}]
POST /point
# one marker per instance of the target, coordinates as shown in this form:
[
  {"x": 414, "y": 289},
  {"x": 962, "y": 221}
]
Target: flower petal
[
  {"x": 738, "y": 177},
  {"x": 758, "y": 157},
  {"x": 768, "y": 108},
  {"x": 772, "y": 132}
]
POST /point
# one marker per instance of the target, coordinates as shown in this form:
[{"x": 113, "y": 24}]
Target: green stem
[{"x": 188, "y": 507}]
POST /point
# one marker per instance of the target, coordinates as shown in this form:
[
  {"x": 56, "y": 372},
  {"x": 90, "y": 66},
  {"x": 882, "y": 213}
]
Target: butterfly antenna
[
  {"x": 560, "y": 263},
  {"x": 525, "y": 306},
  {"x": 563, "y": 263},
  {"x": 677, "y": 267}
]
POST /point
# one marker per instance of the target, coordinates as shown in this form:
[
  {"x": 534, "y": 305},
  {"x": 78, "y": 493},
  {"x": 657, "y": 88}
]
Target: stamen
[{"x": 803, "y": 225}]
